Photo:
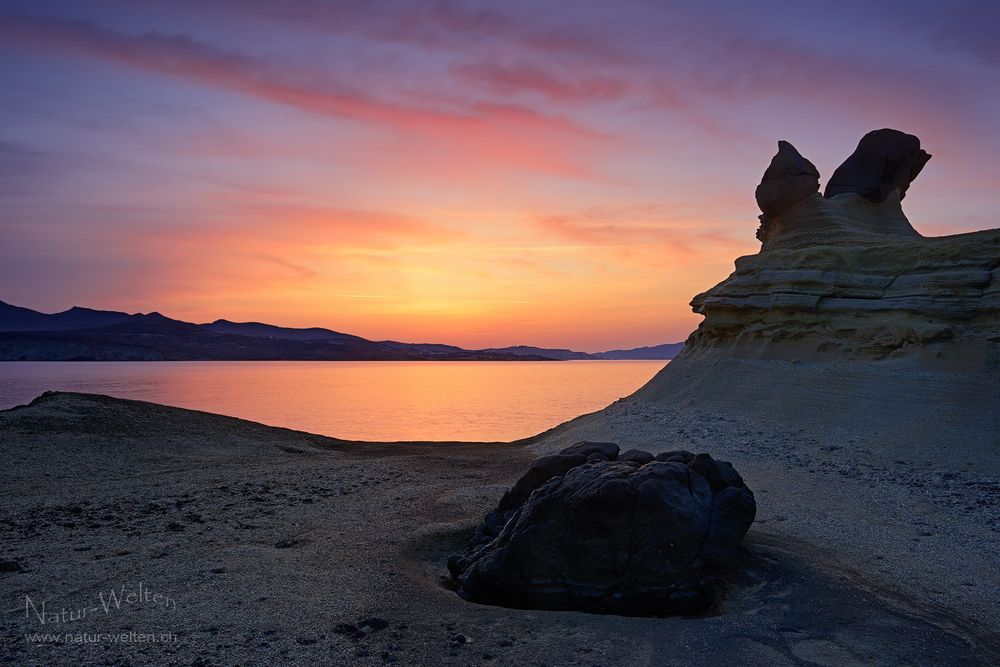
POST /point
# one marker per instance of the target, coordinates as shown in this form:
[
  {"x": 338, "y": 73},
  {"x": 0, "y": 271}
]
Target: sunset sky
[{"x": 482, "y": 174}]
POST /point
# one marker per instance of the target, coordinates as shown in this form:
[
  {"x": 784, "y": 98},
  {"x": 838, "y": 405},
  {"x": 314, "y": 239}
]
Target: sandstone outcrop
[
  {"x": 884, "y": 162},
  {"x": 788, "y": 180},
  {"x": 936, "y": 297},
  {"x": 847, "y": 219},
  {"x": 847, "y": 276},
  {"x": 634, "y": 536},
  {"x": 861, "y": 203}
]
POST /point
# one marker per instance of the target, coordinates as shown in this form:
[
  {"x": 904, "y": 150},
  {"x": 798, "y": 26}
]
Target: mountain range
[{"x": 85, "y": 334}]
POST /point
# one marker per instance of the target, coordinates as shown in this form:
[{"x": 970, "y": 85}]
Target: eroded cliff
[{"x": 847, "y": 277}]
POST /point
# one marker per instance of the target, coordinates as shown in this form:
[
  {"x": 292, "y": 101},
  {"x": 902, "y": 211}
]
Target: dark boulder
[
  {"x": 547, "y": 467},
  {"x": 885, "y": 160},
  {"x": 608, "y": 450},
  {"x": 789, "y": 179},
  {"x": 541, "y": 471},
  {"x": 637, "y": 456},
  {"x": 633, "y": 536},
  {"x": 680, "y": 456}
]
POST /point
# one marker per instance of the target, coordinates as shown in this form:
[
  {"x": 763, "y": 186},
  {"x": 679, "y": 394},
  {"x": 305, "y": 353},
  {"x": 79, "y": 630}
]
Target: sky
[{"x": 561, "y": 174}]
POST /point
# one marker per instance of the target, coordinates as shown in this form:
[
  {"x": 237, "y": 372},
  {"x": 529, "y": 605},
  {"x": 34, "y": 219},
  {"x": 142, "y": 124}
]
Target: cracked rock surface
[{"x": 594, "y": 532}]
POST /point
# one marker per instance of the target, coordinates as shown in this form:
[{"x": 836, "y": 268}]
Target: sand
[
  {"x": 270, "y": 546},
  {"x": 889, "y": 467}
]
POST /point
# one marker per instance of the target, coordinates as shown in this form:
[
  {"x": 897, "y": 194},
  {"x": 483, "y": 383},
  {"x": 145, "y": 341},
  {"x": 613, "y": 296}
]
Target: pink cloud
[
  {"x": 531, "y": 78},
  {"x": 484, "y": 129}
]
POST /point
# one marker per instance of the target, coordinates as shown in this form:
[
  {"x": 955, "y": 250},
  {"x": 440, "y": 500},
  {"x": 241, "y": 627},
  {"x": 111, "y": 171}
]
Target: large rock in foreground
[{"x": 632, "y": 535}]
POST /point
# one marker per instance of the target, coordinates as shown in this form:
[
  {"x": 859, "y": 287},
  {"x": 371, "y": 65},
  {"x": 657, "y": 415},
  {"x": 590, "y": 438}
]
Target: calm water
[{"x": 365, "y": 400}]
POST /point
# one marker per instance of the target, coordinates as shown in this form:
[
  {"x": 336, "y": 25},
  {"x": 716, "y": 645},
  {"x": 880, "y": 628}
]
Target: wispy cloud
[
  {"x": 521, "y": 77},
  {"x": 494, "y": 130}
]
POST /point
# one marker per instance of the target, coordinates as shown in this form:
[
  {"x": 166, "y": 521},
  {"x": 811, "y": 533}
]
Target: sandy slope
[
  {"x": 887, "y": 467},
  {"x": 851, "y": 373},
  {"x": 274, "y": 546}
]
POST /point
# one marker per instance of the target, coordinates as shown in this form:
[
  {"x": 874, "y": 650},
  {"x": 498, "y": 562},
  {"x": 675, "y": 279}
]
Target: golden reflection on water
[{"x": 364, "y": 400}]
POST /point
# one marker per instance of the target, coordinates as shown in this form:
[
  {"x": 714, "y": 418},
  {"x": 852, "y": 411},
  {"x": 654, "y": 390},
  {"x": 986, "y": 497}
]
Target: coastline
[
  {"x": 372, "y": 401},
  {"x": 278, "y": 545}
]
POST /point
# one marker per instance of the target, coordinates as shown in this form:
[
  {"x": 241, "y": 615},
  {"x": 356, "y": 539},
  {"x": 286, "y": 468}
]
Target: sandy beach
[{"x": 270, "y": 546}]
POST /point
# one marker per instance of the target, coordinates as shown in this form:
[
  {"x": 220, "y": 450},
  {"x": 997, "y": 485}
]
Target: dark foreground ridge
[{"x": 589, "y": 530}]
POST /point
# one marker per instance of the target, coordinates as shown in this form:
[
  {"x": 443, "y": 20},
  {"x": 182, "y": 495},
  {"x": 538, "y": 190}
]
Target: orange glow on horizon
[{"x": 399, "y": 277}]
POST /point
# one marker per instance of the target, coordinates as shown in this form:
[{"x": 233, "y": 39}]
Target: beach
[{"x": 269, "y": 546}]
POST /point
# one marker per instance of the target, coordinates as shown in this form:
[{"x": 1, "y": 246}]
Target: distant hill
[
  {"x": 260, "y": 330},
  {"x": 655, "y": 352},
  {"x": 15, "y": 318},
  {"x": 83, "y": 334},
  {"x": 550, "y": 353},
  {"x": 664, "y": 351}
]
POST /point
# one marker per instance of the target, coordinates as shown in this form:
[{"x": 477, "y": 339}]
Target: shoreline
[
  {"x": 282, "y": 545},
  {"x": 373, "y": 401}
]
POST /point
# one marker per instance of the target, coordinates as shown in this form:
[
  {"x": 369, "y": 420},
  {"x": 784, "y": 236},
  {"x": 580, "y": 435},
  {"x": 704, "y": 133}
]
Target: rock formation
[
  {"x": 788, "y": 180},
  {"x": 847, "y": 219},
  {"x": 846, "y": 320},
  {"x": 862, "y": 197},
  {"x": 885, "y": 161},
  {"x": 847, "y": 276},
  {"x": 590, "y": 531},
  {"x": 938, "y": 298}
]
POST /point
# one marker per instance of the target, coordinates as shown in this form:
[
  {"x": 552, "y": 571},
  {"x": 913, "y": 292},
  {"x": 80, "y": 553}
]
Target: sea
[{"x": 358, "y": 400}]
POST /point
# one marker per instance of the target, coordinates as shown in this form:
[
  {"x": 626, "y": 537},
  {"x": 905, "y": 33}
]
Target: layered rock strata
[
  {"x": 846, "y": 276},
  {"x": 935, "y": 297}
]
